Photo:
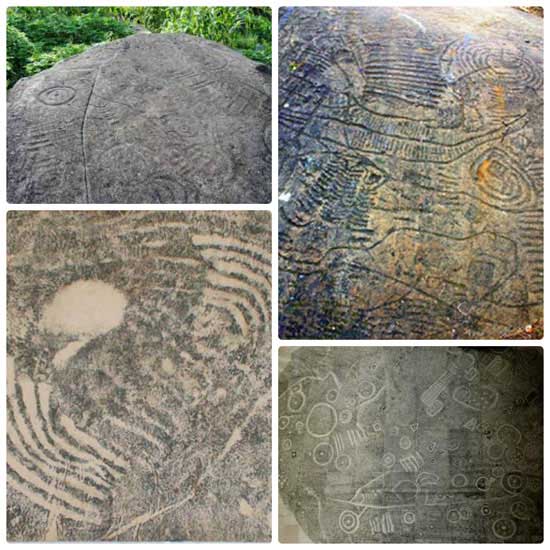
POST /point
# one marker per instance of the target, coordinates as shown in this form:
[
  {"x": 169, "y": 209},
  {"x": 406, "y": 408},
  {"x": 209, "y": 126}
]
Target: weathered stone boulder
[
  {"x": 411, "y": 162},
  {"x": 153, "y": 118}
]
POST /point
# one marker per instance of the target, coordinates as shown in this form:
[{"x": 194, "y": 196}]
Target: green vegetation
[
  {"x": 244, "y": 29},
  {"x": 39, "y": 37}
]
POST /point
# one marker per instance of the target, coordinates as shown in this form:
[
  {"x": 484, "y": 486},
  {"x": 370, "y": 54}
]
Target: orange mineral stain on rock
[
  {"x": 483, "y": 171},
  {"x": 501, "y": 97}
]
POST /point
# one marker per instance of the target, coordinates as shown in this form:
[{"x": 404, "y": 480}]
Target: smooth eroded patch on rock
[{"x": 84, "y": 307}]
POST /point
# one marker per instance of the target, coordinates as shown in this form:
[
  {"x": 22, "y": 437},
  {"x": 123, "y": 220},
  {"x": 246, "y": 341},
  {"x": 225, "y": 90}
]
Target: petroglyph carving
[
  {"x": 139, "y": 380},
  {"x": 470, "y": 473},
  {"x": 153, "y": 118},
  {"x": 411, "y": 172}
]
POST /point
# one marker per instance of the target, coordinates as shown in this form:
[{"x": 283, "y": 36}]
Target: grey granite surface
[
  {"x": 411, "y": 444},
  {"x": 153, "y": 118}
]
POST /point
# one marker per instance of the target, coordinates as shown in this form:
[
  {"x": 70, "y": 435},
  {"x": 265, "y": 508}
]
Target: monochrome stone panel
[{"x": 411, "y": 444}]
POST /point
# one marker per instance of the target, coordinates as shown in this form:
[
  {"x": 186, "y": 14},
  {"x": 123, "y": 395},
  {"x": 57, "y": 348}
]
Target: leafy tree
[
  {"x": 19, "y": 50},
  {"x": 39, "y": 37},
  {"x": 44, "y": 60}
]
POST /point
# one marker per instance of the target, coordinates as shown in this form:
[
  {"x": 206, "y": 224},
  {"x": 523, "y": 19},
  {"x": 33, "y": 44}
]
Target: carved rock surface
[
  {"x": 411, "y": 172},
  {"x": 139, "y": 376},
  {"x": 411, "y": 444},
  {"x": 153, "y": 118}
]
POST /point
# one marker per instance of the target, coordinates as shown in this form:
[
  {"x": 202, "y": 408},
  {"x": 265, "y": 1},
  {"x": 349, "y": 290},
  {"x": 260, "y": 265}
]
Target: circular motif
[
  {"x": 518, "y": 191},
  {"x": 332, "y": 395},
  {"x": 323, "y": 454},
  {"x": 485, "y": 510},
  {"x": 388, "y": 460},
  {"x": 284, "y": 421},
  {"x": 342, "y": 463},
  {"x": 502, "y": 65},
  {"x": 520, "y": 509},
  {"x": 513, "y": 482},
  {"x": 453, "y": 516},
  {"x": 299, "y": 427},
  {"x": 57, "y": 95},
  {"x": 509, "y": 434},
  {"x": 482, "y": 483},
  {"x": 296, "y": 401},
  {"x": 409, "y": 518},
  {"x": 349, "y": 522},
  {"x": 405, "y": 442},
  {"x": 495, "y": 451},
  {"x": 286, "y": 444},
  {"x": 487, "y": 431},
  {"x": 345, "y": 416},
  {"x": 459, "y": 480},
  {"x": 453, "y": 445},
  {"x": 321, "y": 420},
  {"x": 461, "y": 394},
  {"x": 504, "y": 528},
  {"x": 366, "y": 390}
]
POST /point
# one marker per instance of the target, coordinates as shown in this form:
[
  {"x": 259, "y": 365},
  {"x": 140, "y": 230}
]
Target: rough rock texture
[
  {"x": 153, "y": 118},
  {"x": 411, "y": 172},
  {"x": 139, "y": 376},
  {"x": 411, "y": 444}
]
